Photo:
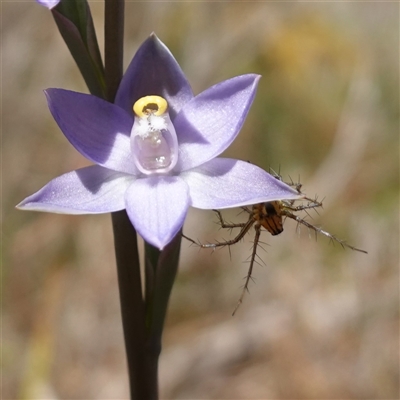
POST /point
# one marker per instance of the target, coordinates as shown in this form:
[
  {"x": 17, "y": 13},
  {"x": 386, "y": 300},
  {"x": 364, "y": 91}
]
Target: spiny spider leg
[
  {"x": 190, "y": 239},
  {"x": 321, "y": 231},
  {"x": 250, "y": 271},
  {"x": 297, "y": 185},
  {"x": 301, "y": 207},
  {"x": 245, "y": 228},
  {"x": 224, "y": 225}
]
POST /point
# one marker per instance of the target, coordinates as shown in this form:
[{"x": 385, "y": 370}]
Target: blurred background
[{"x": 320, "y": 322}]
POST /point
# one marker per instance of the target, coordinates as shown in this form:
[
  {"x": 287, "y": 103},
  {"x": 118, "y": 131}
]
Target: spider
[{"x": 270, "y": 216}]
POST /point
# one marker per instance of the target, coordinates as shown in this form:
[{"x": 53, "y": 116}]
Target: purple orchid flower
[
  {"x": 162, "y": 159},
  {"x": 48, "y": 3}
]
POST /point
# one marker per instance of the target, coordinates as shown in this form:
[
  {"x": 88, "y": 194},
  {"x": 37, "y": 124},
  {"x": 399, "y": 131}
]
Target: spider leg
[
  {"x": 245, "y": 226},
  {"x": 320, "y": 231},
  {"x": 189, "y": 239},
  {"x": 311, "y": 204},
  {"x": 225, "y": 225},
  {"x": 249, "y": 272},
  {"x": 244, "y": 229}
]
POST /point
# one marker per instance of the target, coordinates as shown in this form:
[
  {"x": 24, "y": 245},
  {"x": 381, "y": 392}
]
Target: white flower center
[{"x": 154, "y": 142}]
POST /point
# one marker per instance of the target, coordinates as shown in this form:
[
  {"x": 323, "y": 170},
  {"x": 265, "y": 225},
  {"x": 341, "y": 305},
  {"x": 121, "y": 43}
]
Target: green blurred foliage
[{"x": 320, "y": 322}]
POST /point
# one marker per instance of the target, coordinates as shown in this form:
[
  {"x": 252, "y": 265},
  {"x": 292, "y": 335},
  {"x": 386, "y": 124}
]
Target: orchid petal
[
  {"x": 97, "y": 129},
  {"x": 48, "y": 3},
  {"x": 157, "y": 208},
  {"x": 211, "y": 121},
  {"x": 224, "y": 182},
  {"x": 89, "y": 190},
  {"x": 154, "y": 71}
]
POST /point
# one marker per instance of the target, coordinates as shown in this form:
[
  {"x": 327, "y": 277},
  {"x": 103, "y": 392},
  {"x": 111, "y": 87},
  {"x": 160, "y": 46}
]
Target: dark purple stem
[
  {"x": 142, "y": 363},
  {"x": 113, "y": 45}
]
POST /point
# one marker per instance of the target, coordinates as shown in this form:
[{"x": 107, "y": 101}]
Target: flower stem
[
  {"x": 142, "y": 360},
  {"x": 113, "y": 45},
  {"x": 142, "y": 363}
]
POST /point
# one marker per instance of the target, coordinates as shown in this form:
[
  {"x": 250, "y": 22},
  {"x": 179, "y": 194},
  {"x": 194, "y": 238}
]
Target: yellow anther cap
[{"x": 155, "y": 105}]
